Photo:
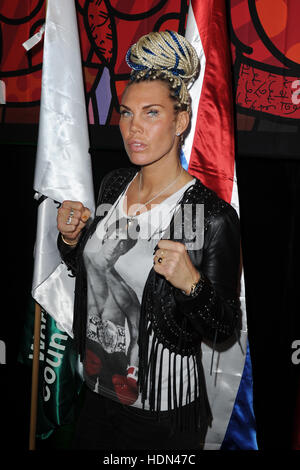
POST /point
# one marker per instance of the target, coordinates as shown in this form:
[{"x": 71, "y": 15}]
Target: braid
[{"x": 167, "y": 56}]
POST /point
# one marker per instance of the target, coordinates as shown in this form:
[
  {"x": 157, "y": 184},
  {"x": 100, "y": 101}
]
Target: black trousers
[{"x": 105, "y": 424}]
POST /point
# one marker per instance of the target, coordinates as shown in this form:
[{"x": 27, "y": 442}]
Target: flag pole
[
  {"x": 35, "y": 376},
  {"x": 35, "y": 361}
]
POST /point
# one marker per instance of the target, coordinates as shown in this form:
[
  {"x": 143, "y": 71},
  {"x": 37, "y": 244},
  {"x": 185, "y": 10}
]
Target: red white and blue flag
[{"x": 209, "y": 154}]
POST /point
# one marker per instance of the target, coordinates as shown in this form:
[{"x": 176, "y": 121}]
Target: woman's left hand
[{"x": 172, "y": 261}]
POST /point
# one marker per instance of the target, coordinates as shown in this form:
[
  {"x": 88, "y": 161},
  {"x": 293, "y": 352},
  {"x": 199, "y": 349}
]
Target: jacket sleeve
[
  {"x": 214, "y": 311},
  {"x": 69, "y": 254}
]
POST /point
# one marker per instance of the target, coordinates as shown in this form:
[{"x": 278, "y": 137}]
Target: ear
[{"x": 182, "y": 122}]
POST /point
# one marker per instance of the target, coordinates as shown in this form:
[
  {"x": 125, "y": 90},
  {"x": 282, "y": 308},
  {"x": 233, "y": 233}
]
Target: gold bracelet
[
  {"x": 67, "y": 243},
  {"x": 194, "y": 288}
]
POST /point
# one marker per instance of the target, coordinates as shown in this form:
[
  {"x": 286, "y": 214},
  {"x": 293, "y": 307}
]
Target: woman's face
[{"x": 149, "y": 123}]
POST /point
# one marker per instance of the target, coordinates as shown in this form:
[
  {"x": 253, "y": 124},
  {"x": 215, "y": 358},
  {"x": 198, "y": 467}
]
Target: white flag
[{"x": 63, "y": 164}]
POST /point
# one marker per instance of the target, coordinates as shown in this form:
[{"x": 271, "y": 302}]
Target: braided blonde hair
[{"x": 168, "y": 56}]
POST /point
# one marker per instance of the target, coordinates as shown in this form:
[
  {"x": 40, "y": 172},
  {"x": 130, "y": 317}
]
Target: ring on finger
[
  {"x": 160, "y": 256},
  {"x": 70, "y": 217}
]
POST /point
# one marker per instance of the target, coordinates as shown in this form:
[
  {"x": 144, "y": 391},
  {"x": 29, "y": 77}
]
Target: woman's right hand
[{"x": 72, "y": 216}]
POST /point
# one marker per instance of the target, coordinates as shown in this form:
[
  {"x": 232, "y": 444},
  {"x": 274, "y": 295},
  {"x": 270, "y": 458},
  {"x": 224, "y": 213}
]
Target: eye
[
  {"x": 124, "y": 113},
  {"x": 152, "y": 112}
]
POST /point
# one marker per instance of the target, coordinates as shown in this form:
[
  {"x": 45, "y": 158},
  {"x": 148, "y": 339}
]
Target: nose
[{"x": 135, "y": 124}]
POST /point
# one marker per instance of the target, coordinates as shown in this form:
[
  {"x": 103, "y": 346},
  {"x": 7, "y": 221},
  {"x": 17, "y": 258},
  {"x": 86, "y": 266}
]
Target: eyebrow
[{"x": 144, "y": 107}]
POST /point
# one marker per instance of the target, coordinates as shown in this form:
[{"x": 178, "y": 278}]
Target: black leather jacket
[{"x": 177, "y": 321}]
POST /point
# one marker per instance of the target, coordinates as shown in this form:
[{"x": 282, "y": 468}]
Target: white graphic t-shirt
[{"x": 117, "y": 267}]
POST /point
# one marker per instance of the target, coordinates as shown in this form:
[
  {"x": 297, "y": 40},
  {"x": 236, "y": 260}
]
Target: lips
[{"x": 136, "y": 145}]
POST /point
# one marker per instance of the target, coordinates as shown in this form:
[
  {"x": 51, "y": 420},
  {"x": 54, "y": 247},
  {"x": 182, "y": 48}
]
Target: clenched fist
[
  {"x": 172, "y": 261},
  {"x": 72, "y": 216}
]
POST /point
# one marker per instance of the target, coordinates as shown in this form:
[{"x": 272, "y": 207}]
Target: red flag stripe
[{"x": 212, "y": 155}]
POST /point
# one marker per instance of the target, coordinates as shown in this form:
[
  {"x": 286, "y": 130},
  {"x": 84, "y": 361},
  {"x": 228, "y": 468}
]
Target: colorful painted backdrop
[{"x": 265, "y": 51}]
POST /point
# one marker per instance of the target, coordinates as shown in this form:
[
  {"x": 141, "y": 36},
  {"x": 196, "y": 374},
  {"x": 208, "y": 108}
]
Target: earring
[{"x": 178, "y": 134}]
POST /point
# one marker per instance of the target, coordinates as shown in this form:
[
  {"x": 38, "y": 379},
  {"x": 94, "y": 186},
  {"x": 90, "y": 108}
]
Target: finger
[
  {"x": 158, "y": 268},
  {"x": 158, "y": 259},
  {"x": 81, "y": 213},
  {"x": 168, "y": 255},
  {"x": 74, "y": 216},
  {"x": 63, "y": 213},
  {"x": 85, "y": 215},
  {"x": 165, "y": 244},
  {"x": 69, "y": 220},
  {"x": 163, "y": 269},
  {"x": 71, "y": 231},
  {"x": 67, "y": 229},
  {"x": 68, "y": 223},
  {"x": 171, "y": 245},
  {"x": 161, "y": 259},
  {"x": 161, "y": 253},
  {"x": 159, "y": 256},
  {"x": 71, "y": 236},
  {"x": 72, "y": 205},
  {"x": 81, "y": 225}
]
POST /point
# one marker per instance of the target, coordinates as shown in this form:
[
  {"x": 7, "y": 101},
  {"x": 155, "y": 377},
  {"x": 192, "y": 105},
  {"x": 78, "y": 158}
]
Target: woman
[{"x": 154, "y": 275}]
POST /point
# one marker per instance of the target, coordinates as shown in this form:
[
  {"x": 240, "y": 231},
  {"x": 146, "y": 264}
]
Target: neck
[{"x": 155, "y": 177}]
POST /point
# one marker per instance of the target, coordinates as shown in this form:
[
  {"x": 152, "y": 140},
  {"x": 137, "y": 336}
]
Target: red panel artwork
[
  {"x": 107, "y": 28},
  {"x": 266, "y": 51}
]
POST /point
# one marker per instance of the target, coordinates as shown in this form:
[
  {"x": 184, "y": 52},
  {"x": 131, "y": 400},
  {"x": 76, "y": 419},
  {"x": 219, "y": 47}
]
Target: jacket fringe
[{"x": 150, "y": 378}]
